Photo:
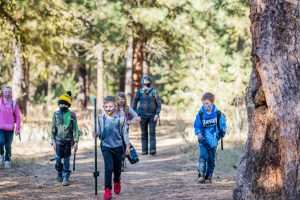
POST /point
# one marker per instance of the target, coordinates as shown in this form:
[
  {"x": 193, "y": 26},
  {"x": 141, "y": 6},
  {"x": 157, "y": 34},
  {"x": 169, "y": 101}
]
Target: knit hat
[{"x": 65, "y": 99}]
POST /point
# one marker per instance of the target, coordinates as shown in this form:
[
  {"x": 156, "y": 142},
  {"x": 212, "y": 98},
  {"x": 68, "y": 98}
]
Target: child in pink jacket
[{"x": 9, "y": 116}]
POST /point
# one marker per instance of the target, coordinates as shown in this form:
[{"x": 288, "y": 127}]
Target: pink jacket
[{"x": 8, "y": 117}]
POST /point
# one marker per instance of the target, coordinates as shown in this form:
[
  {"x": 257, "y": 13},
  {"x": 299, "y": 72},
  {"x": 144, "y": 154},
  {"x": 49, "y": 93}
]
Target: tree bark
[
  {"x": 100, "y": 67},
  {"x": 138, "y": 58},
  {"x": 270, "y": 169},
  {"x": 128, "y": 75},
  {"x": 146, "y": 67},
  {"x": 20, "y": 83},
  {"x": 49, "y": 85}
]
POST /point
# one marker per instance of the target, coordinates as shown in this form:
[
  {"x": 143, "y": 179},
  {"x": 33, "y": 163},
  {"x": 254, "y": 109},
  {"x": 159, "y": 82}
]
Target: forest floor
[{"x": 171, "y": 174}]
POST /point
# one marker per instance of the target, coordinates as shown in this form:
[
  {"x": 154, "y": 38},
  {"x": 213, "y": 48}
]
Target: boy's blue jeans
[
  {"x": 63, "y": 151},
  {"x": 6, "y": 139},
  {"x": 207, "y": 160}
]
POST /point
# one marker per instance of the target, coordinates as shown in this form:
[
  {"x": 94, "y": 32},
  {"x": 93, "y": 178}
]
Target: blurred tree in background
[{"x": 95, "y": 48}]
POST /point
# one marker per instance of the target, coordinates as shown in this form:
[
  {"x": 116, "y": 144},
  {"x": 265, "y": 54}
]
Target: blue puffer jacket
[{"x": 208, "y": 127}]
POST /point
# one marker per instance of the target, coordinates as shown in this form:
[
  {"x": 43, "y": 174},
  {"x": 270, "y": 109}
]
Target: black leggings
[{"x": 112, "y": 161}]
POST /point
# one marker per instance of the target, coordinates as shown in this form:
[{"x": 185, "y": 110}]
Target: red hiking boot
[
  {"x": 107, "y": 194},
  {"x": 117, "y": 187}
]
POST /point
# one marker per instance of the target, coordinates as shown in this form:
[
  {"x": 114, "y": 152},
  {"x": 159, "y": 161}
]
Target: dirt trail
[{"x": 168, "y": 175}]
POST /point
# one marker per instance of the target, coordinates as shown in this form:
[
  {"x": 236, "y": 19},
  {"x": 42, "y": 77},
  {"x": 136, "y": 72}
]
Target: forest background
[{"x": 95, "y": 48}]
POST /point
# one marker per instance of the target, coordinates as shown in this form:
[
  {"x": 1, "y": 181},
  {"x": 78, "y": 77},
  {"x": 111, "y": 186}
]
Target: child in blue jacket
[{"x": 210, "y": 127}]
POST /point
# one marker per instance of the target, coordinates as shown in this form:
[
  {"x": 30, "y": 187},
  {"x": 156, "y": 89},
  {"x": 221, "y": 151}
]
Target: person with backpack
[
  {"x": 149, "y": 109},
  {"x": 210, "y": 127},
  {"x": 111, "y": 129},
  {"x": 130, "y": 115},
  {"x": 65, "y": 136},
  {"x": 10, "y": 120}
]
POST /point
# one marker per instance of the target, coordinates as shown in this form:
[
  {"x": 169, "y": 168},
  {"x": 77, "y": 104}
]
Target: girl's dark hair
[
  {"x": 109, "y": 99},
  {"x": 208, "y": 96},
  {"x": 122, "y": 95}
]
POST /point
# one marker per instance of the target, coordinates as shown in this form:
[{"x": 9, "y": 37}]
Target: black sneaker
[
  {"x": 59, "y": 177},
  {"x": 152, "y": 152}
]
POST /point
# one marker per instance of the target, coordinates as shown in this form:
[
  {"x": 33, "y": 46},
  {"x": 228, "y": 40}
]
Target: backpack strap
[
  {"x": 101, "y": 120},
  {"x": 121, "y": 125},
  {"x": 57, "y": 120},
  {"x": 72, "y": 121},
  {"x": 219, "y": 113}
]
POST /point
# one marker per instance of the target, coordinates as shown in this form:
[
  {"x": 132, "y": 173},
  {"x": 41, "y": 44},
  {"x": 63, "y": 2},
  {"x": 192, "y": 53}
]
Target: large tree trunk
[
  {"x": 270, "y": 168},
  {"x": 20, "y": 83},
  {"x": 138, "y": 58},
  {"x": 146, "y": 67},
  {"x": 100, "y": 67},
  {"x": 128, "y": 75}
]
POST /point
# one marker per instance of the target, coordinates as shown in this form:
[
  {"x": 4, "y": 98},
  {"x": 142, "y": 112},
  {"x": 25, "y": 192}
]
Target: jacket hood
[{"x": 146, "y": 77}]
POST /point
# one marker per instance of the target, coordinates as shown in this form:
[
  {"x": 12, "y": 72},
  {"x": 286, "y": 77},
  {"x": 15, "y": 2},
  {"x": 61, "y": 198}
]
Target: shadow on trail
[{"x": 167, "y": 175}]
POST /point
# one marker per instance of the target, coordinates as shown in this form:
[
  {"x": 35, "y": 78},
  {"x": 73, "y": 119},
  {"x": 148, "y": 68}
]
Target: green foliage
[{"x": 192, "y": 46}]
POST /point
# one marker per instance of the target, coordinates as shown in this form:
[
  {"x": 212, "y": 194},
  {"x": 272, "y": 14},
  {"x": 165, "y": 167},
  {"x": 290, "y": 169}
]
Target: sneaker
[
  {"x": 209, "y": 180},
  {"x": 201, "y": 178},
  {"x": 144, "y": 153},
  {"x": 152, "y": 152},
  {"x": 59, "y": 177},
  {"x": 1, "y": 159},
  {"x": 117, "y": 187},
  {"x": 107, "y": 194},
  {"x": 65, "y": 181},
  {"x": 7, "y": 164}
]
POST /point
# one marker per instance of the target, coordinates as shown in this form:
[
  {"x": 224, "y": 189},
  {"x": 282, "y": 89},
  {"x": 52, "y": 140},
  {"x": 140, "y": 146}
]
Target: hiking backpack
[{"x": 59, "y": 122}]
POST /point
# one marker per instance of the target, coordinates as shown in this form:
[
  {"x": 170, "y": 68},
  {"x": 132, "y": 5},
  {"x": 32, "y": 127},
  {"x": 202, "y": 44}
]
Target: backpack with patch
[
  {"x": 219, "y": 113},
  {"x": 61, "y": 129}
]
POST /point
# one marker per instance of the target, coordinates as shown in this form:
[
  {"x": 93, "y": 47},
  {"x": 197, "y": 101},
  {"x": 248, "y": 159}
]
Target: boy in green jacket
[{"x": 65, "y": 136}]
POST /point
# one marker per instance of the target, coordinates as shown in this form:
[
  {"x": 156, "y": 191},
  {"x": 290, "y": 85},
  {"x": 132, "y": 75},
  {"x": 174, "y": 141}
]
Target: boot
[
  {"x": 201, "y": 178},
  {"x": 59, "y": 177},
  {"x": 152, "y": 152},
  {"x": 7, "y": 164},
  {"x": 1, "y": 159},
  {"x": 65, "y": 181},
  {"x": 107, "y": 194},
  {"x": 209, "y": 179}
]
